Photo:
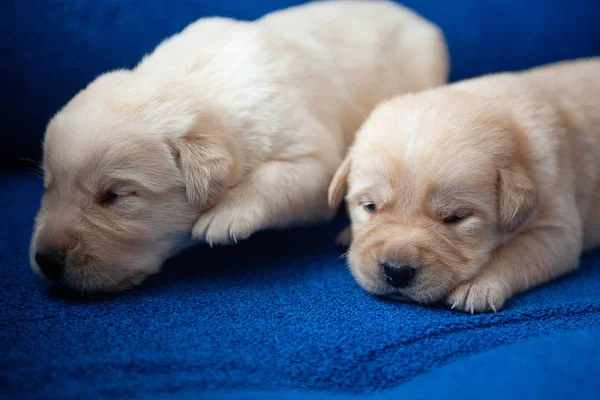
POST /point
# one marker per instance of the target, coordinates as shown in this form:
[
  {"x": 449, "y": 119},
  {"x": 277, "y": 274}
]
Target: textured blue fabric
[
  {"x": 550, "y": 367},
  {"x": 278, "y": 316},
  {"x": 560, "y": 366}
]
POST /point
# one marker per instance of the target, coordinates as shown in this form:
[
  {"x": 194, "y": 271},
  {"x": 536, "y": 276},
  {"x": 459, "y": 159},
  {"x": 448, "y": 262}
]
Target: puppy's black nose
[
  {"x": 51, "y": 263},
  {"x": 398, "y": 276}
]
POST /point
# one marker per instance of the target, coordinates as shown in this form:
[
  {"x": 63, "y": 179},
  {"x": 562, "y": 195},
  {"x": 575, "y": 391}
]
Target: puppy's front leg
[
  {"x": 535, "y": 256},
  {"x": 275, "y": 194}
]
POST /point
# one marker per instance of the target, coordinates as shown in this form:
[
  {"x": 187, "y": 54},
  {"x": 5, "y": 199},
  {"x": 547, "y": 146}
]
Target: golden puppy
[
  {"x": 227, "y": 128},
  {"x": 478, "y": 190}
]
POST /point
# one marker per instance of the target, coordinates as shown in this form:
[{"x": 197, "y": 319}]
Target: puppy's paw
[
  {"x": 478, "y": 295},
  {"x": 344, "y": 238},
  {"x": 228, "y": 222}
]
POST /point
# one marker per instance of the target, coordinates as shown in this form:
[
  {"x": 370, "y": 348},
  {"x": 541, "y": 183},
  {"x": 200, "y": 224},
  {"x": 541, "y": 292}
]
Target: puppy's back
[
  {"x": 365, "y": 37},
  {"x": 558, "y": 107},
  {"x": 575, "y": 87},
  {"x": 376, "y": 49},
  {"x": 567, "y": 91}
]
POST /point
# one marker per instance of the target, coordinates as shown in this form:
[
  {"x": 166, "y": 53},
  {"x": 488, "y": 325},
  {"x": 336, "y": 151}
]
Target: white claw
[{"x": 235, "y": 239}]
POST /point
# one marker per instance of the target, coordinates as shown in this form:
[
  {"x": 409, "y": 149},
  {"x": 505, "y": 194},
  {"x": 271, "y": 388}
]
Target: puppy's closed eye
[
  {"x": 370, "y": 207},
  {"x": 110, "y": 197},
  {"x": 456, "y": 217},
  {"x": 107, "y": 198}
]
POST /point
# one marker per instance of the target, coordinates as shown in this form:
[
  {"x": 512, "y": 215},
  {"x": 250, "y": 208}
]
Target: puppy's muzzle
[
  {"x": 397, "y": 276},
  {"x": 399, "y": 262},
  {"x": 51, "y": 263}
]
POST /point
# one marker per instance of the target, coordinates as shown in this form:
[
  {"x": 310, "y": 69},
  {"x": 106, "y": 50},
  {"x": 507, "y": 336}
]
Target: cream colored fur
[
  {"x": 517, "y": 155},
  {"x": 225, "y": 129}
]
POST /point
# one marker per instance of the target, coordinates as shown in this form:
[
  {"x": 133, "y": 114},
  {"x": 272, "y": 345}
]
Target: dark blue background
[
  {"x": 53, "y": 48},
  {"x": 278, "y": 315}
]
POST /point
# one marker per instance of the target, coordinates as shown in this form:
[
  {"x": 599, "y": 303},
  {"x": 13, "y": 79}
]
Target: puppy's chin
[
  {"x": 398, "y": 297},
  {"x": 98, "y": 285},
  {"x": 438, "y": 271},
  {"x": 431, "y": 284},
  {"x": 419, "y": 293},
  {"x": 89, "y": 280},
  {"x": 424, "y": 293}
]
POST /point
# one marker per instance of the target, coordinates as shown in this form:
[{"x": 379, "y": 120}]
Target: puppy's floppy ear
[
  {"x": 517, "y": 198},
  {"x": 205, "y": 164},
  {"x": 337, "y": 187}
]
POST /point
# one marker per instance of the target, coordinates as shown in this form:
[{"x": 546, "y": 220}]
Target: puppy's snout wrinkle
[
  {"x": 399, "y": 263},
  {"x": 398, "y": 276},
  {"x": 51, "y": 263}
]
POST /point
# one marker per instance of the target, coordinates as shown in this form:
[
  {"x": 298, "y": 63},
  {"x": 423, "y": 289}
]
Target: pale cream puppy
[
  {"x": 227, "y": 128},
  {"x": 476, "y": 191}
]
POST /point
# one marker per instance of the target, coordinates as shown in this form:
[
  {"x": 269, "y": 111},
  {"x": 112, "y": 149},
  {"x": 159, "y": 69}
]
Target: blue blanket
[
  {"x": 279, "y": 313},
  {"x": 278, "y": 316}
]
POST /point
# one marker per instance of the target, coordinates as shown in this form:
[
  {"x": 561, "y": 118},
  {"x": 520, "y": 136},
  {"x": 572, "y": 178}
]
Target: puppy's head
[
  {"x": 126, "y": 175},
  {"x": 434, "y": 182}
]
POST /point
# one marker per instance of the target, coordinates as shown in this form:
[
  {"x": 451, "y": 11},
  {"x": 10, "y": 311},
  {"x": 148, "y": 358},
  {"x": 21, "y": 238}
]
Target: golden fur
[
  {"x": 513, "y": 159},
  {"x": 227, "y": 128}
]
